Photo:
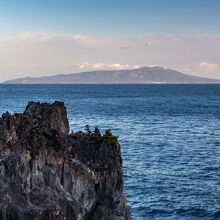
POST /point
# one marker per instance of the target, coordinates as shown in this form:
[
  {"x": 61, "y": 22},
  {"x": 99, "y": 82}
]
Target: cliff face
[{"x": 48, "y": 174}]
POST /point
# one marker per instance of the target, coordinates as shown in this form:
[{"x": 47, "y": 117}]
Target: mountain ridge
[{"x": 144, "y": 75}]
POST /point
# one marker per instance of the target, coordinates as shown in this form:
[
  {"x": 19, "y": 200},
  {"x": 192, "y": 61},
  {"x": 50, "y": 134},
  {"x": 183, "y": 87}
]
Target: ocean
[{"x": 169, "y": 136}]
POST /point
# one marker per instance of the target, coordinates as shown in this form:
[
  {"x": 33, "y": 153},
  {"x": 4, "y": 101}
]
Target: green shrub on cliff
[{"x": 109, "y": 137}]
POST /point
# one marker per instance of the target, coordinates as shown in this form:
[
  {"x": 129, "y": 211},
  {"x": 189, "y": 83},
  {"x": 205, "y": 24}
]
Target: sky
[{"x": 47, "y": 37}]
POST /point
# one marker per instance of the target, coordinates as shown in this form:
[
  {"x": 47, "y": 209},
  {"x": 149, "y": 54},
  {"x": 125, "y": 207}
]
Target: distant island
[{"x": 145, "y": 75}]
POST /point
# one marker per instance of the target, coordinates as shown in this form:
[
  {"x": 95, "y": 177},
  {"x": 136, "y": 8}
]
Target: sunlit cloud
[
  {"x": 209, "y": 66},
  {"x": 36, "y": 36},
  {"x": 114, "y": 66},
  {"x": 24, "y": 36},
  {"x": 41, "y": 36}
]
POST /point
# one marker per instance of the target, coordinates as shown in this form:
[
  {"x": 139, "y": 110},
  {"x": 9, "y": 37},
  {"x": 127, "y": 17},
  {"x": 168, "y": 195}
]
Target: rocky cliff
[{"x": 48, "y": 174}]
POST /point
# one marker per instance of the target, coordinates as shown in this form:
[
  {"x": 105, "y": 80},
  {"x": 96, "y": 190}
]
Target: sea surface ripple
[{"x": 169, "y": 134}]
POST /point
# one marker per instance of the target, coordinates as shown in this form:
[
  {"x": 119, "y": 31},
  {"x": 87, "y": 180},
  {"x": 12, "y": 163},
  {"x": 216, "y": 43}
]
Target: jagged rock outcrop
[{"x": 48, "y": 174}]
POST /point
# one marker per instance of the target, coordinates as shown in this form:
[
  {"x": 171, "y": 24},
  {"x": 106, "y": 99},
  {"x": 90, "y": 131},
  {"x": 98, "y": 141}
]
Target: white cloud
[
  {"x": 36, "y": 36},
  {"x": 43, "y": 36},
  {"x": 209, "y": 66},
  {"x": 90, "y": 40},
  {"x": 24, "y": 35},
  {"x": 113, "y": 66}
]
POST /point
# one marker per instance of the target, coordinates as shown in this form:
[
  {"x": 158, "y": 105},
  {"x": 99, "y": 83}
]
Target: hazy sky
[{"x": 46, "y": 37}]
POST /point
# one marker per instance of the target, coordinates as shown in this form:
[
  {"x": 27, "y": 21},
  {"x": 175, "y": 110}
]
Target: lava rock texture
[{"x": 48, "y": 174}]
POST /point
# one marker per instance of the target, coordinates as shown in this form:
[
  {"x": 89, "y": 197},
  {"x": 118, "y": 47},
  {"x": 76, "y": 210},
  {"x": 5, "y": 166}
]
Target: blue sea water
[{"x": 169, "y": 135}]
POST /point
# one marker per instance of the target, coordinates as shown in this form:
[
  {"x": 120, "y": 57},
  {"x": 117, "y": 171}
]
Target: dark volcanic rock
[{"x": 48, "y": 174}]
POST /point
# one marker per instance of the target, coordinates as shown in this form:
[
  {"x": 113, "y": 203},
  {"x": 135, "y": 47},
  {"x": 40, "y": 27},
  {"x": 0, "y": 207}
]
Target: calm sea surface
[{"x": 169, "y": 134}]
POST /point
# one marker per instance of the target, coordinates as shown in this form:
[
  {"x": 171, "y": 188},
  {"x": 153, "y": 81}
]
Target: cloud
[
  {"x": 136, "y": 44},
  {"x": 210, "y": 70},
  {"x": 113, "y": 66},
  {"x": 38, "y": 53},
  {"x": 147, "y": 44},
  {"x": 209, "y": 66},
  {"x": 124, "y": 47},
  {"x": 90, "y": 40},
  {"x": 24, "y": 36},
  {"x": 35, "y": 36},
  {"x": 43, "y": 36},
  {"x": 187, "y": 69}
]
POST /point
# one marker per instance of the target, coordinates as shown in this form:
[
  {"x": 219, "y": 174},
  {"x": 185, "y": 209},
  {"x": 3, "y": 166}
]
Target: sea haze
[{"x": 169, "y": 135}]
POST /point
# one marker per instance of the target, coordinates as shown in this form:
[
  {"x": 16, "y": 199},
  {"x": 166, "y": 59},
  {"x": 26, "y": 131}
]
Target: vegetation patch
[{"x": 109, "y": 137}]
